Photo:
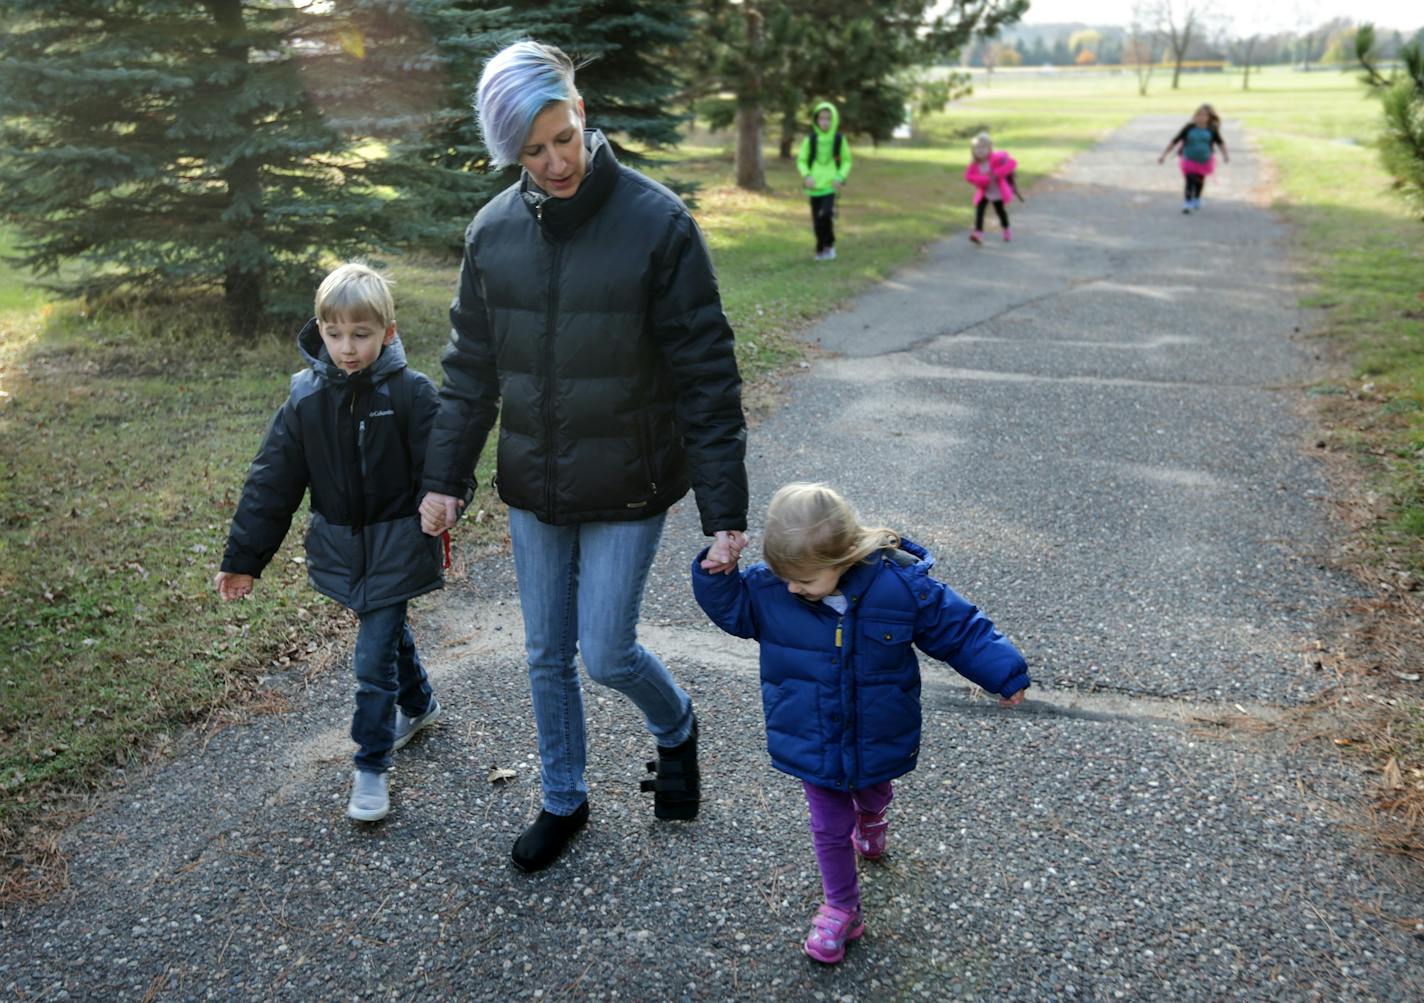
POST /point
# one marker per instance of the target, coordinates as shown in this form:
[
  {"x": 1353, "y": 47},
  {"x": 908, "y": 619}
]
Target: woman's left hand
[{"x": 724, "y": 553}]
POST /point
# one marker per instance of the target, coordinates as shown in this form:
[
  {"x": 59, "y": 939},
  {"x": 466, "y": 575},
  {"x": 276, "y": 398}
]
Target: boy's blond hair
[
  {"x": 356, "y": 291},
  {"x": 982, "y": 141},
  {"x": 810, "y": 527}
]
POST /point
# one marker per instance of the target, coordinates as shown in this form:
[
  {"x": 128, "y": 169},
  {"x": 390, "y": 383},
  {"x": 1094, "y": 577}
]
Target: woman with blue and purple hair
[{"x": 588, "y": 319}]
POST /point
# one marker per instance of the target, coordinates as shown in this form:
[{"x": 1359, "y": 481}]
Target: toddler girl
[
  {"x": 991, "y": 173},
  {"x": 1197, "y": 140},
  {"x": 838, "y": 609}
]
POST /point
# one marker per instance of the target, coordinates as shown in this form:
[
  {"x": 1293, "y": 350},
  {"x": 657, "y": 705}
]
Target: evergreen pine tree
[
  {"x": 168, "y": 146},
  {"x": 627, "y": 53}
]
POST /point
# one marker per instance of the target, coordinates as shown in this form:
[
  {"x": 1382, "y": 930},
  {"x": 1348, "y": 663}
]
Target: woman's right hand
[
  {"x": 438, "y": 512},
  {"x": 231, "y": 585}
]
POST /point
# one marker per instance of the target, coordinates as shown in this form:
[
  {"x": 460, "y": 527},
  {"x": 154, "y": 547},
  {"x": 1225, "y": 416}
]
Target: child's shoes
[
  {"x": 370, "y": 798},
  {"x": 870, "y": 835},
  {"x": 977, "y": 236},
  {"x": 831, "y": 930},
  {"x": 406, "y": 727},
  {"x": 1008, "y": 235}
]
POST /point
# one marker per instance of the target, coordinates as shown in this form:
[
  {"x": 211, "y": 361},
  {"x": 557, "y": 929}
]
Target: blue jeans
[
  {"x": 388, "y": 672},
  {"x": 581, "y": 588}
]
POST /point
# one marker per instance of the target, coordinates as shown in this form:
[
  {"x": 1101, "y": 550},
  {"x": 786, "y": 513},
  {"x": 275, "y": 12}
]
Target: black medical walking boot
[{"x": 677, "y": 787}]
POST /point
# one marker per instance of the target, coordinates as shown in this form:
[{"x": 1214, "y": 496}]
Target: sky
[{"x": 1286, "y": 16}]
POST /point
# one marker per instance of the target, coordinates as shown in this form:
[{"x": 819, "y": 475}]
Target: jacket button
[{"x": 887, "y": 637}]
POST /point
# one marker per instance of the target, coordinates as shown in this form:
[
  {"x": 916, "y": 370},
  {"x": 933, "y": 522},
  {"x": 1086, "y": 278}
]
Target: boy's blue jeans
[
  {"x": 581, "y": 588},
  {"x": 388, "y": 673}
]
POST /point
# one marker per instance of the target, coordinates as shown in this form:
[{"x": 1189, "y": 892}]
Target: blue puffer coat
[{"x": 842, "y": 693}]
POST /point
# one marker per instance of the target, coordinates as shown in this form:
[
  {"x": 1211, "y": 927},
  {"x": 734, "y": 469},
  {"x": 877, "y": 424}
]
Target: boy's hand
[
  {"x": 233, "y": 586},
  {"x": 808, "y": 181},
  {"x": 1014, "y": 700},
  {"x": 439, "y": 512},
  {"x": 724, "y": 553}
]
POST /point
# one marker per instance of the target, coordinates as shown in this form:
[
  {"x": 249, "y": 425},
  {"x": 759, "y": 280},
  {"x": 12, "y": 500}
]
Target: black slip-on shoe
[{"x": 546, "y": 839}]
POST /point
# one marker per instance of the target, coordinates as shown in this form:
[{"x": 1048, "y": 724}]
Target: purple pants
[{"x": 833, "y": 816}]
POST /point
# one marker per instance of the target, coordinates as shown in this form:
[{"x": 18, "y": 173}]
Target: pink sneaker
[
  {"x": 831, "y": 930},
  {"x": 977, "y": 236},
  {"x": 869, "y": 835},
  {"x": 1008, "y": 235}
]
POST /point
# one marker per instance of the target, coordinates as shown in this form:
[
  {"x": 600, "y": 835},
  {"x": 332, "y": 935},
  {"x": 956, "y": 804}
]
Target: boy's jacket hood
[
  {"x": 314, "y": 354},
  {"x": 835, "y": 119}
]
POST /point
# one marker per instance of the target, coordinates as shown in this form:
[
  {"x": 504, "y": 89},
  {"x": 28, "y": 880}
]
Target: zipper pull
[
  {"x": 539, "y": 211},
  {"x": 838, "y": 631}
]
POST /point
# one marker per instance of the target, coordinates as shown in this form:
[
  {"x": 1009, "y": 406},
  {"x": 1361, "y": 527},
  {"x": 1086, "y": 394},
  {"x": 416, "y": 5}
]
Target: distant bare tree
[
  {"x": 1181, "y": 21},
  {"x": 1242, "y": 50},
  {"x": 1144, "y": 46}
]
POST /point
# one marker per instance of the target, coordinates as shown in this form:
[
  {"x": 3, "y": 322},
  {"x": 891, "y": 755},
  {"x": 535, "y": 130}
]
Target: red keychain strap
[{"x": 445, "y": 539}]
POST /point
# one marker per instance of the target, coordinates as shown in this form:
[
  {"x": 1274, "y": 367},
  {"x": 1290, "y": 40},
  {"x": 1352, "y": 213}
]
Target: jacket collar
[
  {"x": 856, "y": 582},
  {"x": 313, "y": 349},
  {"x": 559, "y": 218}
]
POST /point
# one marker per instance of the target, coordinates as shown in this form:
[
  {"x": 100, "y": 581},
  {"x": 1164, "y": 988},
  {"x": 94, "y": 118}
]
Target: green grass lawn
[{"x": 126, "y": 437}]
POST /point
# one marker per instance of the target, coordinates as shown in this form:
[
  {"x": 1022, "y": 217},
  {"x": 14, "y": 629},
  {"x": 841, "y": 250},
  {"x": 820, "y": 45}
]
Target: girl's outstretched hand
[
  {"x": 724, "y": 553},
  {"x": 1014, "y": 700}
]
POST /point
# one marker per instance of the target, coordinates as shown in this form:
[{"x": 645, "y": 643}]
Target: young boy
[
  {"x": 824, "y": 163},
  {"x": 353, "y": 430}
]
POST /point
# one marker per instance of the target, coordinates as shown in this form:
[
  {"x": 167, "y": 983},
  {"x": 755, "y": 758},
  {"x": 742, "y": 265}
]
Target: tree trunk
[
  {"x": 751, "y": 171},
  {"x": 788, "y": 133},
  {"x": 243, "y": 280},
  {"x": 1177, "y": 69}
]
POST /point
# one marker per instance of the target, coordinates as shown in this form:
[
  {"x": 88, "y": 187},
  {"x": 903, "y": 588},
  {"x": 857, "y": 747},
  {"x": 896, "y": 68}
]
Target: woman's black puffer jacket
[{"x": 593, "y": 326}]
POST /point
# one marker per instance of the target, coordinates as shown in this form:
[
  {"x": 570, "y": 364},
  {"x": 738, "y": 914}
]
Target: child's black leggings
[
  {"x": 998, "y": 208},
  {"x": 1195, "y": 184},
  {"x": 823, "y": 216}
]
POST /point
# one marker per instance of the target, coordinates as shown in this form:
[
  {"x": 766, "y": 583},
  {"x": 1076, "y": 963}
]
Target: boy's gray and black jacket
[
  {"x": 358, "y": 442},
  {"x": 593, "y": 327}
]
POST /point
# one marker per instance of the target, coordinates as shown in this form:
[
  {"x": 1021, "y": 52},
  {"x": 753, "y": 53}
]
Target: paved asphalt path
[{"x": 1096, "y": 430}]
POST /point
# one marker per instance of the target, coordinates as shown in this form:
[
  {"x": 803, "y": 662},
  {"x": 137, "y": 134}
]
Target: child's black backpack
[{"x": 835, "y": 148}]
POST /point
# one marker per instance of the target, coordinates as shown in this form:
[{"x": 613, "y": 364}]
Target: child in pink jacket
[{"x": 991, "y": 173}]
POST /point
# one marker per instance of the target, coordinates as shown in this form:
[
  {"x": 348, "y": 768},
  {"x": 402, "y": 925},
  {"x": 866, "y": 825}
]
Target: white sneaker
[
  {"x": 406, "y": 727},
  {"x": 370, "y": 798},
  {"x": 830, "y": 254}
]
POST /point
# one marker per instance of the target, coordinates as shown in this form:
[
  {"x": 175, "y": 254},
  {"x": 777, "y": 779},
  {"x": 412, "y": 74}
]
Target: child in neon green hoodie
[{"x": 824, "y": 163}]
